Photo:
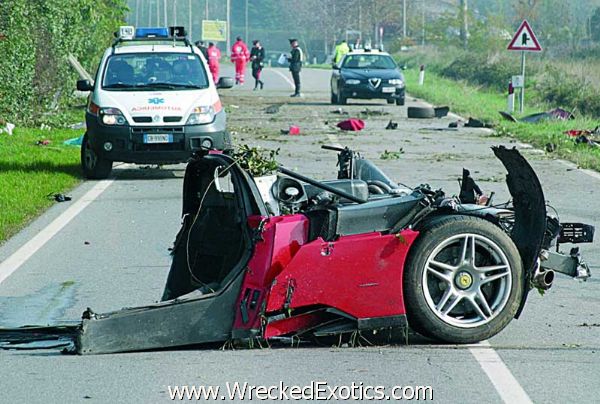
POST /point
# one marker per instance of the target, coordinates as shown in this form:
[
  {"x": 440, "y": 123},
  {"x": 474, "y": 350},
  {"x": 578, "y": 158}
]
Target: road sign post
[{"x": 524, "y": 40}]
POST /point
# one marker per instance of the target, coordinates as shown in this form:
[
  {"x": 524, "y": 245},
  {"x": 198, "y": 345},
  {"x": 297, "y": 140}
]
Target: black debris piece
[{"x": 59, "y": 197}]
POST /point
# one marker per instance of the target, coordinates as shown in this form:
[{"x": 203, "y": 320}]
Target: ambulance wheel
[
  {"x": 94, "y": 167},
  {"x": 462, "y": 281},
  {"x": 400, "y": 101},
  {"x": 342, "y": 100}
]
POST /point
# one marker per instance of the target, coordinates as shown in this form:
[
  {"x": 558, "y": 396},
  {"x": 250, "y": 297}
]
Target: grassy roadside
[
  {"x": 28, "y": 173},
  {"x": 477, "y": 102}
]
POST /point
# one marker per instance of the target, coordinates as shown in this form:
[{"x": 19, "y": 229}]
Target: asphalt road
[{"x": 113, "y": 253}]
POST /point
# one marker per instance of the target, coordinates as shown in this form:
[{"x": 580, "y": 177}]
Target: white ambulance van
[{"x": 153, "y": 101}]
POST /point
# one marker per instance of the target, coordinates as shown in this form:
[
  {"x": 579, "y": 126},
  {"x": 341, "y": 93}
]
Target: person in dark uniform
[
  {"x": 202, "y": 46},
  {"x": 257, "y": 56},
  {"x": 296, "y": 59}
]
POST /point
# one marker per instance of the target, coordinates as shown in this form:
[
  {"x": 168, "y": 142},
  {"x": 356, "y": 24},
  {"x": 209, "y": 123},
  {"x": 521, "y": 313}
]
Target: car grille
[
  {"x": 142, "y": 119},
  {"x": 172, "y": 119},
  {"x": 157, "y": 129}
]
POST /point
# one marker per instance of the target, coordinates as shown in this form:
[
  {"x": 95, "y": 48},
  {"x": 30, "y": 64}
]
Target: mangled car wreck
[{"x": 287, "y": 255}]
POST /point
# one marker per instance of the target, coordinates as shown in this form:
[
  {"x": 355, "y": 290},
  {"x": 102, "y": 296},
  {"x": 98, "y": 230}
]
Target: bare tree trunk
[{"x": 464, "y": 28}]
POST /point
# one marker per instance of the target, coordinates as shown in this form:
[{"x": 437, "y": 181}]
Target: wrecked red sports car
[{"x": 289, "y": 256}]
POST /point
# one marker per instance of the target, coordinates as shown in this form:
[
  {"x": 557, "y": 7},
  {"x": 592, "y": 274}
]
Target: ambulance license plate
[{"x": 158, "y": 138}]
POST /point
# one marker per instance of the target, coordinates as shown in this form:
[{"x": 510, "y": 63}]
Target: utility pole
[
  {"x": 175, "y": 13},
  {"x": 165, "y": 13},
  {"x": 423, "y": 23},
  {"x": 246, "y": 19},
  {"x": 403, "y": 18},
  {"x": 190, "y": 25},
  {"x": 137, "y": 13},
  {"x": 228, "y": 26},
  {"x": 149, "y": 17},
  {"x": 206, "y": 9},
  {"x": 158, "y": 13}
]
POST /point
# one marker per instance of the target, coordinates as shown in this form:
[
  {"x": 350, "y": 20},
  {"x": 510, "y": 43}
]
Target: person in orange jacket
[
  {"x": 240, "y": 56},
  {"x": 214, "y": 55}
]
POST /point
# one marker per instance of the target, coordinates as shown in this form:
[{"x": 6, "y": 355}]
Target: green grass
[
  {"x": 477, "y": 102},
  {"x": 28, "y": 173}
]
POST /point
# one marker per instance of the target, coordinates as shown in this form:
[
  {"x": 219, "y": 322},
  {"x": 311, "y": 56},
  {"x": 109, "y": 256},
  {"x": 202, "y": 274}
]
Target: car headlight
[
  {"x": 201, "y": 115},
  {"x": 396, "y": 82},
  {"x": 352, "y": 81},
  {"x": 112, "y": 117}
]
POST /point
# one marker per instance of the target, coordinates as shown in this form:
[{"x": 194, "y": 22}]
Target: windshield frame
[
  {"x": 347, "y": 57},
  {"x": 160, "y": 86}
]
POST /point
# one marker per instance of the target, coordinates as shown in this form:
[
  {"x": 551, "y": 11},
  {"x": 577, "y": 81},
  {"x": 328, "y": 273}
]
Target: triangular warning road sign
[{"x": 525, "y": 39}]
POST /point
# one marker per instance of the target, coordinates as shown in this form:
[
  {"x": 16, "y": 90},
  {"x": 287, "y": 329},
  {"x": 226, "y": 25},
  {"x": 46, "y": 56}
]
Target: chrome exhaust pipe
[{"x": 543, "y": 279}]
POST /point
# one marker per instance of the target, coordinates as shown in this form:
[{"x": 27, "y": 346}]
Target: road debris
[
  {"x": 76, "y": 141},
  {"x": 558, "y": 114},
  {"x": 441, "y": 112},
  {"x": 273, "y": 109},
  {"x": 8, "y": 128},
  {"x": 353, "y": 124},
  {"x": 339, "y": 111},
  {"x": 392, "y": 125},
  {"x": 44, "y": 142},
  {"x": 420, "y": 112},
  {"x": 585, "y": 136},
  {"x": 293, "y": 130},
  {"x": 59, "y": 197},
  {"x": 374, "y": 112},
  {"x": 391, "y": 155}
]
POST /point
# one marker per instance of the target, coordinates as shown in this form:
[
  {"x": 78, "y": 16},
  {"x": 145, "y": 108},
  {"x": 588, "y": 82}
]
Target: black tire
[
  {"x": 400, "y": 101},
  {"x": 342, "y": 100},
  {"x": 420, "y": 112},
  {"x": 390, "y": 100},
  {"x": 94, "y": 167},
  {"x": 334, "y": 99},
  {"x": 425, "y": 315}
]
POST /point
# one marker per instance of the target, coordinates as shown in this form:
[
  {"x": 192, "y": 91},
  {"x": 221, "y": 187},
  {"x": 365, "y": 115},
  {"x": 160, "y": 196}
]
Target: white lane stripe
[
  {"x": 286, "y": 78},
  {"x": 496, "y": 370},
  {"x": 334, "y": 140},
  {"x": 19, "y": 257}
]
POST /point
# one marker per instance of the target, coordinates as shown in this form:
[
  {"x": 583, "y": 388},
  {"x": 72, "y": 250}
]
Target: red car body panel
[
  {"x": 281, "y": 238},
  {"x": 359, "y": 275}
]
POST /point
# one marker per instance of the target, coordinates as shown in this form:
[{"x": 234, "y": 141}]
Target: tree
[
  {"x": 464, "y": 27},
  {"x": 595, "y": 25}
]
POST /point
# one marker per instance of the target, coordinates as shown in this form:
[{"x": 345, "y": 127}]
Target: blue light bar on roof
[{"x": 152, "y": 33}]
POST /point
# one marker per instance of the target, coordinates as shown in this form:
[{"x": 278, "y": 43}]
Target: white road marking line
[
  {"x": 496, "y": 370},
  {"x": 19, "y": 257},
  {"x": 334, "y": 140},
  {"x": 574, "y": 167},
  {"x": 286, "y": 78}
]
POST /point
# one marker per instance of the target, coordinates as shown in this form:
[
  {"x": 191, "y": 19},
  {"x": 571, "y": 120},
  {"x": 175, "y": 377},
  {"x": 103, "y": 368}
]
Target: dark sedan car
[{"x": 367, "y": 75}]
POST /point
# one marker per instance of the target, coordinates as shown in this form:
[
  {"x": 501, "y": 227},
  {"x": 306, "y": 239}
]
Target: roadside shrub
[
  {"x": 561, "y": 89},
  {"x": 36, "y": 36},
  {"x": 493, "y": 72}
]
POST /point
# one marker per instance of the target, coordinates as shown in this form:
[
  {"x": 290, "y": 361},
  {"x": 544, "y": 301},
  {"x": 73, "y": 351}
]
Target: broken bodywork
[{"x": 305, "y": 258}]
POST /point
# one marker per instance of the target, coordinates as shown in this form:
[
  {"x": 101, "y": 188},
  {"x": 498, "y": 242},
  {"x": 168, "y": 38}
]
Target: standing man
[
  {"x": 214, "y": 55},
  {"x": 340, "y": 51},
  {"x": 296, "y": 59},
  {"x": 257, "y": 56},
  {"x": 240, "y": 56},
  {"x": 202, "y": 46}
]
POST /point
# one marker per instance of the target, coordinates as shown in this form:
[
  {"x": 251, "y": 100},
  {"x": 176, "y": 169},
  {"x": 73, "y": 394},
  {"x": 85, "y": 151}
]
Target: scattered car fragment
[
  {"x": 353, "y": 124},
  {"x": 302, "y": 258},
  {"x": 554, "y": 114}
]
